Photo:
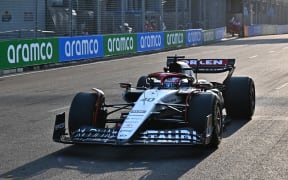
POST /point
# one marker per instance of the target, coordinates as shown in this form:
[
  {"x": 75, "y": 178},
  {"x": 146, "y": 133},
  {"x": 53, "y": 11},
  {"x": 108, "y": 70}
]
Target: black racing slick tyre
[
  {"x": 142, "y": 82},
  {"x": 239, "y": 97},
  {"x": 85, "y": 110},
  {"x": 201, "y": 106}
]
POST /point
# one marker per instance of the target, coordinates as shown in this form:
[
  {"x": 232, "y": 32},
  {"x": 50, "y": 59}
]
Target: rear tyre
[
  {"x": 142, "y": 82},
  {"x": 200, "y": 107},
  {"x": 84, "y": 112},
  {"x": 239, "y": 97}
]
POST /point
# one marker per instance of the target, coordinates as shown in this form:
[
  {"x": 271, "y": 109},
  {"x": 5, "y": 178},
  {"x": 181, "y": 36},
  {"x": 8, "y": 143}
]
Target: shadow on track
[
  {"x": 168, "y": 161},
  {"x": 233, "y": 126}
]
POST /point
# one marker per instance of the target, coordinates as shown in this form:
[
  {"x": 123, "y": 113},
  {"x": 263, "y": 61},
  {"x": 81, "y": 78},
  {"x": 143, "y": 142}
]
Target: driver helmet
[{"x": 171, "y": 83}]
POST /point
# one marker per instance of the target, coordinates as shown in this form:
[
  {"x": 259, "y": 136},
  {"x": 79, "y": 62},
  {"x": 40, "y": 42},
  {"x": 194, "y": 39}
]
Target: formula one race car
[{"x": 172, "y": 107}]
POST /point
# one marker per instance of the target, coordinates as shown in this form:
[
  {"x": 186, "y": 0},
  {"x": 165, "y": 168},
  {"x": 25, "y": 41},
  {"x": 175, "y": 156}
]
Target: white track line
[
  {"x": 59, "y": 68},
  {"x": 59, "y": 109},
  {"x": 251, "y": 57},
  {"x": 270, "y": 118},
  {"x": 282, "y": 86}
]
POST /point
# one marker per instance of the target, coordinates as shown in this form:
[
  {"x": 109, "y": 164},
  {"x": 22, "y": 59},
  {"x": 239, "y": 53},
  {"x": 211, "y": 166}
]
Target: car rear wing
[
  {"x": 210, "y": 65},
  {"x": 205, "y": 65}
]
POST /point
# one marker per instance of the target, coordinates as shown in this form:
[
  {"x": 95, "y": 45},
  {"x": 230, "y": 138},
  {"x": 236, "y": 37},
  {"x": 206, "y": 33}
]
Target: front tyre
[
  {"x": 201, "y": 106},
  {"x": 86, "y": 110}
]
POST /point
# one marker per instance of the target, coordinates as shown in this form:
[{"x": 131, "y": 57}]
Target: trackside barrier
[
  {"x": 268, "y": 29},
  {"x": 80, "y": 47},
  {"x": 150, "y": 41},
  {"x": 22, "y": 53},
  {"x": 174, "y": 39},
  {"x": 119, "y": 44},
  {"x": 258, "y": 30},
  {"x": 194, "y": 37},
  {"x": 209, "y": 36},
  {"x": 220, "y": 33},
  {"x": 282, "y": 29},
  {"x": 15, "y": 55}
]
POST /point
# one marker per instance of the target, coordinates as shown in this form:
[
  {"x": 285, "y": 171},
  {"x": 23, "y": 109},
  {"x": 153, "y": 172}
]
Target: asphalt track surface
[{"x": 250, "y": 149}]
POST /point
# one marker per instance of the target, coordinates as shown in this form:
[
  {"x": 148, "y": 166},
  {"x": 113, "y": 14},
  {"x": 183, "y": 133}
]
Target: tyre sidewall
[
  {"x": 239, "y": 97},
  {"x": 200, "y": 106},
  {"x": 82, "y": 111},
  {"x": 142, "y": 82}
]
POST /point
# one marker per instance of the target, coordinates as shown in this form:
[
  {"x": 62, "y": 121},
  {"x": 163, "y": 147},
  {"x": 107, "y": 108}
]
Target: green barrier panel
[
  {"x": 21, "y": 53},
  {"x": 209, "y": 36},
  {"x": 174, "y": 39},
  {"x": 118, "y": 44}
]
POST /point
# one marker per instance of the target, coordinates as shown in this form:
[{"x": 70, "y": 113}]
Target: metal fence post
[
  {"x": 176, "y": 12},
  {"x": 161, "y": 15},
  {"x": 36, "y": 19},
  {"x": 123, "y": 3},
  {"x": 99, "y": 16},
  {"x": 143, "y": 15},
  {"x": 70, "y": 18}
]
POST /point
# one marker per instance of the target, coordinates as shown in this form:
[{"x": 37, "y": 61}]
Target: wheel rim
[{"x": 218, "y": 127}]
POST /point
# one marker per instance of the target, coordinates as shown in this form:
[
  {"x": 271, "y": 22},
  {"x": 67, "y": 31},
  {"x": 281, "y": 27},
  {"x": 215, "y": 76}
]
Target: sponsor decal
[
  {"x": 6, "y": 16},
  {"x": 131, "y": 115},
  {"x": 206, "y": 62},
  {"x": 150, "y": 41},
  {"x": 119, "y": 44},
  {"x": 257, "y": 29},
  {"x": 219, "y": 33},
  {"x": 127, "y": 125},
  {"x": 173, "y": 136},
  {"x": 123, "y": 131},
  {"x": 76, "y": 48},
  {"x": 59, "y": 126},
  {"x": 127, "y": 131},
  {"x": 122, "y": 135},
  {"x": 194, "y": 37},
  {"x": 131, "y": 121},
  {"x": 148, "y": 99},
  {"x": 91, "y": 133},
  {"x": 208, "y": 36},
  {"x": 28, "y": 52},
  {"x": 138, "y": 111},
  {"x": 174, "y": 38},
  {"x": 251, "y": 31}
]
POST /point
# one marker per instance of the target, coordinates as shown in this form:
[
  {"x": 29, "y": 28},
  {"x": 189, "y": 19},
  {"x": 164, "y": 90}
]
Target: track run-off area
[{"x": 250, "y": 149}]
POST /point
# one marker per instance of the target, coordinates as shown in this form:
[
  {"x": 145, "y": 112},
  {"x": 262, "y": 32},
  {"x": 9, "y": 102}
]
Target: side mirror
[{"x": 125, "y": 85}]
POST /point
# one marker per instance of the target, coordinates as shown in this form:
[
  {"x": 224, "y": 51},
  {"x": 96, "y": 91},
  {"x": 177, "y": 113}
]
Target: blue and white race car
[{"x": 172, "y": 107}]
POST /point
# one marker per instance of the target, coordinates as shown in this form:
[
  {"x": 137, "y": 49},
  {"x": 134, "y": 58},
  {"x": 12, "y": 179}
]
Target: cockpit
[{"x": 168, "y": 80}]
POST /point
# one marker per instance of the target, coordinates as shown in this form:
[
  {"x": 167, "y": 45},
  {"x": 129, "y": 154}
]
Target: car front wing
[{"x": 91, "y": 135}]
